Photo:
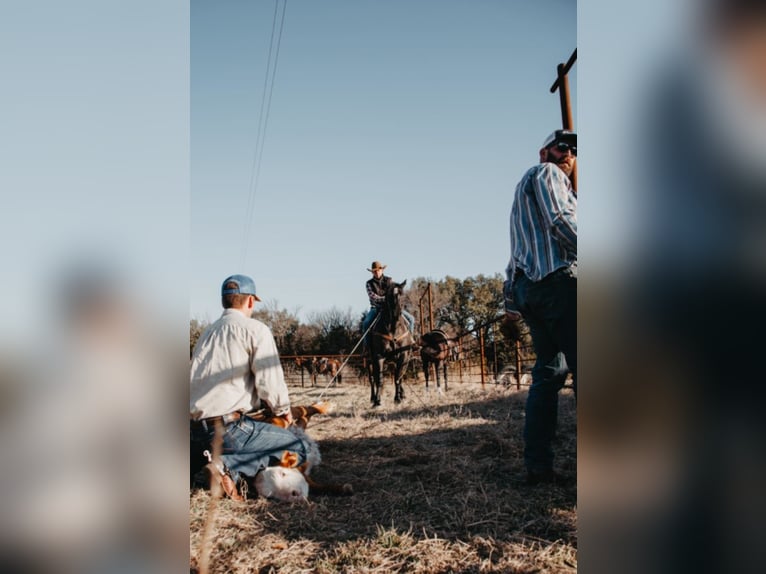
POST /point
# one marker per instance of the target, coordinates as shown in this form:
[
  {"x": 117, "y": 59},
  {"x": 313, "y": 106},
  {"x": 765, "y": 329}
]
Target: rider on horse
[{"x": 376, "y": 291}]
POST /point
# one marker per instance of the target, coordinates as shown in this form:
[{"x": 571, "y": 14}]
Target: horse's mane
[{"x": 391, "y": 311}]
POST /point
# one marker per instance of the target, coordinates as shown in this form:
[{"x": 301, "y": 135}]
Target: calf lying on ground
[
  {"x": 288, "y": 481},
  {"x": 287, "y": 484}
]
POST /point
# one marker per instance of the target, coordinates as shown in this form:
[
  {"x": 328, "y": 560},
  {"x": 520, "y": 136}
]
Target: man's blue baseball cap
[{"x": 245, "y": 286}]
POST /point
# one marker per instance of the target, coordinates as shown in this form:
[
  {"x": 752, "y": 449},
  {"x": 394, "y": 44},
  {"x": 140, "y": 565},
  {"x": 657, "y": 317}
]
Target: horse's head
[{"x": 394, "y": 302}]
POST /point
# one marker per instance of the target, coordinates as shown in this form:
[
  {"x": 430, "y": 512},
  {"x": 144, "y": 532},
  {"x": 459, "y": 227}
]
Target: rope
[{"x": 327, "y": 386}]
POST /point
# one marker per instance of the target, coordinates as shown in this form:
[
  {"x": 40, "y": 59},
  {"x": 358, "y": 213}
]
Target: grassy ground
[{"x": 438, "y": 485}]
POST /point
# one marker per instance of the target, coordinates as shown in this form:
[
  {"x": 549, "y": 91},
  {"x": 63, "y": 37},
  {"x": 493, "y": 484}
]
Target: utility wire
[{"x": 263, "y": 121}]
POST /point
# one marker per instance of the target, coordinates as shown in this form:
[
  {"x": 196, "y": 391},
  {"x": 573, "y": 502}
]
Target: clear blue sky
[{"x": 396, "y": 131}]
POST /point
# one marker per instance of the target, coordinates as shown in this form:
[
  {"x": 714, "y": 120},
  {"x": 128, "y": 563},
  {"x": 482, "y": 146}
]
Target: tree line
[{"x": 459, "y": 307}]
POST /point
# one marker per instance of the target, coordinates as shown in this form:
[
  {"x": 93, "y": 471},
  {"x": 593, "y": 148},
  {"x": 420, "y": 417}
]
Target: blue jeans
[
  {"x": 549, "y": 308},
  {"x": 250, "y": 446},
  {"x": 373, "y": 312}
]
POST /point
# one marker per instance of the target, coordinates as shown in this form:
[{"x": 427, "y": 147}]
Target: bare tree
[
  {"x": 283, "y": 323},
  {"x": 338, "y": 330}
]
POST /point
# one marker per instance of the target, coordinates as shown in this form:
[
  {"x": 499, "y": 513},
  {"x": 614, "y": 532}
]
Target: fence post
[
  {"x": 494, "y": 347},
  {"x": 562, "y": 85},
  {"x": 430, "y": 309},
  {"x": 481, "y": 353}
]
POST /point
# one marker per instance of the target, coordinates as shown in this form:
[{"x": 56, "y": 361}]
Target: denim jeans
[
  {"x": 549, "y": 308},
  {"x": 369, "y": 318},
  {"x": 249, "y": 446}
]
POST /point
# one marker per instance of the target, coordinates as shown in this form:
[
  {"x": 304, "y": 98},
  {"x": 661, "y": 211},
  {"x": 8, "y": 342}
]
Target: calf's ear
[{"x": 289, "y": 459}]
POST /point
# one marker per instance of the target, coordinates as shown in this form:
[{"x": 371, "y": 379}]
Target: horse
[
  {"x": 436, "y": 350},
  {"x": 330, "y": 368},
  {"x": 308, "y": 364},
  {"x": 392, "y": 340}
]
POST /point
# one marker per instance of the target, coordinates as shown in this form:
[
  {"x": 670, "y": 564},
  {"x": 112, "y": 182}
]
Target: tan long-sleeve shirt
[{"x": 235, "y": 367}]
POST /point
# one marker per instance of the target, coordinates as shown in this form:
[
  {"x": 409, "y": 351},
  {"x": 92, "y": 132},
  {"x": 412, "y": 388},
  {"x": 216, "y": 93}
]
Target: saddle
[{"x": 435, "y": 337}]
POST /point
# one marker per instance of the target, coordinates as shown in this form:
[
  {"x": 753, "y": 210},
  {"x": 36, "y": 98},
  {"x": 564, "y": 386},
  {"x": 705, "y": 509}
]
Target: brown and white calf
[{"x": 289, "y": 481}]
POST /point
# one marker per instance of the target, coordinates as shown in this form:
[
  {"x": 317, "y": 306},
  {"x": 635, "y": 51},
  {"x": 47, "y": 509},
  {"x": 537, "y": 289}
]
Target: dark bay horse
[
  {"x": 390, "y": 340},
  {"x": 308, "y": 364},
  {"x": 436, "y": 350}
]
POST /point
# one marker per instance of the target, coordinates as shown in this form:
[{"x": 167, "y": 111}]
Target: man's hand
[{"x": 288, "y": 417}]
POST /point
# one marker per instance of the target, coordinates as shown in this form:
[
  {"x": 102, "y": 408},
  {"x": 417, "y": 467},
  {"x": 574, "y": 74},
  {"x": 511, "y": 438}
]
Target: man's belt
[{"x": 210, "y": 421}]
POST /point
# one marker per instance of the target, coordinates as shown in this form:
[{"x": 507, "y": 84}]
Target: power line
[{"x": 263, "y": 121}]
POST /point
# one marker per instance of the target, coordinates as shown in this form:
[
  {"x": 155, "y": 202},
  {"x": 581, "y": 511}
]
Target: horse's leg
[
  {"x": 445, "y": 376},
  {"x": 379, "y": 380},
  {"x": 377, "y": 373},
  {"x": 371, "y": 376},
  {"x": 426, "y": 369},
  {"x": 399, "y": 388},
  {"x": 438, "y": 364}
]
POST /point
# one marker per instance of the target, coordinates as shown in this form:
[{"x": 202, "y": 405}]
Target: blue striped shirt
[{"x": 543, "y": 223}]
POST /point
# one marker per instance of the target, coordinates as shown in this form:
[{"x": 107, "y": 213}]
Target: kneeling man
[{"x": 235, "y": 370}]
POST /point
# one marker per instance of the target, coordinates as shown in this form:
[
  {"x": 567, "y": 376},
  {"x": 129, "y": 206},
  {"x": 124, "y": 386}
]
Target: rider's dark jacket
[{"x": 376, "y": 290}]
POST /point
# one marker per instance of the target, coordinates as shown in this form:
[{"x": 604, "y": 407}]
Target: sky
[
  {"x": 392, "y": 131},
  {"x": 95, "y": 157}
]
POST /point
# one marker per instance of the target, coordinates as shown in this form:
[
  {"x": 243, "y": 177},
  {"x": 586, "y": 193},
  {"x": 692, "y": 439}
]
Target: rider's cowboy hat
[{"x": 376, "y": 265}]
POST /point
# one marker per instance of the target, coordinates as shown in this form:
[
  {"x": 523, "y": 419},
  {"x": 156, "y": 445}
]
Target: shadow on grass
[{"x": 450, "y": 471}]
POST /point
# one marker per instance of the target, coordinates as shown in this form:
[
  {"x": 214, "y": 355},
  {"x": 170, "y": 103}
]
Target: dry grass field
[{"x": 438, "y": 488}]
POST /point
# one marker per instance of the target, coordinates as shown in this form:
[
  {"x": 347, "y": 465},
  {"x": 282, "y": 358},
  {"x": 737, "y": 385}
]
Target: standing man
[
  {"x": 235, "y": 370},
  {"x": 542, "y": 278}
]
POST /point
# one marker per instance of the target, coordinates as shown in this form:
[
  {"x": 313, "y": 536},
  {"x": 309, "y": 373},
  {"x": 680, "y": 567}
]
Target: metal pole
[
  {"x": 566, "y": 112},
  {"x": 562, "y": 85},
  {"x": 481, "y": 354},
  {"x": 430, "y": 309},
  {"x": 567, "y": 67},
  {"x": 494, "y": 347},
  {"x": 566, "y": 106}
]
